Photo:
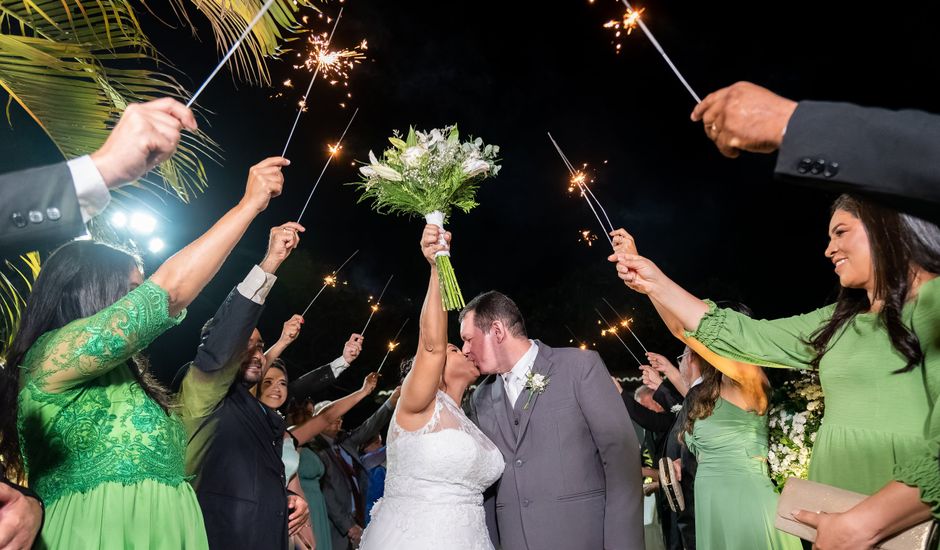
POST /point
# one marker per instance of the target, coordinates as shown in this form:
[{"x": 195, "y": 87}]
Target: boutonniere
[
  {"x": 675, "y": 409},
  {"x": 536, "y": 384}
]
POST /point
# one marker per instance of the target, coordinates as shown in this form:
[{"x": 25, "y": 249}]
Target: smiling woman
[{"x": 877, "y": 349}]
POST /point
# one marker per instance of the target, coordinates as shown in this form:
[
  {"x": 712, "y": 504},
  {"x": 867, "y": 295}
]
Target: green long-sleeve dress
[
  {"x": 878, "y": 426},
  {"x": 105, "y": 458},
  {"x": 735, "y": 502}
]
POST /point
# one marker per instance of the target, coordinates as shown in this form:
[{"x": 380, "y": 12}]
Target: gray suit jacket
[
  {"x": 572, "y": 478},
  {"x": 337, "y": 488}
]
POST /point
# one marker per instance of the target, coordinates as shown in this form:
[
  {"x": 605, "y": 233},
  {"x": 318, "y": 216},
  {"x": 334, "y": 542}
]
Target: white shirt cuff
[
  {"x": 338, "y": 365},
  {"x": 256, "y": 285},
  {"x": 92, "y": 193}
]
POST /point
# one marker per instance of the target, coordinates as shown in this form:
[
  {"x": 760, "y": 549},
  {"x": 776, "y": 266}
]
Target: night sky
[{"x": 508, "y": 72}]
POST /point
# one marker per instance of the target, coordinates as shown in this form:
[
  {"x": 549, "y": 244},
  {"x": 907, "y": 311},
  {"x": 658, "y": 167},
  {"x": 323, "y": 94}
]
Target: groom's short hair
[{"x": 492, "y": 306}]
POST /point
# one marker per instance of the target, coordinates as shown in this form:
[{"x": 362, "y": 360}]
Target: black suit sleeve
[
  {"x": 667, "y": 396},
  {"x": 311, "y": 383},
  {"x": 649, "y": 420},
  {"x": 891, "y": 156},
  {"x": 38, "y": 209},
  {"x": 361, "y": 435},
  {"x": 226, "y": 335}
]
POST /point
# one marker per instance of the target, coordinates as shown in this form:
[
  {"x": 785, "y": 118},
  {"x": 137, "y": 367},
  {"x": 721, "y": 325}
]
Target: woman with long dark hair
[
  {"x": 878, "y": 354},
  {"x": 726, "y": 429},
  {"x": 100, "y": 441}
]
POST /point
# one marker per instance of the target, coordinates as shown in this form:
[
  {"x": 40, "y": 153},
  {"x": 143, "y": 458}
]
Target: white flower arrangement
[
  {"x": 794, "y": 419},
  {"x": 428, "y": 174}
]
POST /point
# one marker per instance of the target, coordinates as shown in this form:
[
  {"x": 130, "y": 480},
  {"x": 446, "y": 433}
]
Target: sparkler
[
  {"x": 611, "y": 329},
  {"x": 578, "y": 178},
  {"x": 632, "y": 19},
  {"x": 587, "y": 237},
  {"x": 303, "y": 102},
  {"x": 334, "y": 150},
  {"x": 375, "y": 307},
  {"x": 329, "y": 280},
  {"x": 254, "y": 21},
  {"x": 581, "y": 343},
  {"x": 626, "y": 324},
  {"x": 391, "y": 346}
]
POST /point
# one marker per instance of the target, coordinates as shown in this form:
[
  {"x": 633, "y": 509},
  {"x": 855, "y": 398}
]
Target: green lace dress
[
  {"x": 878, "y": 426},
  {"x": 106, "y": 459},
  {"x": 735, "y": 502}
]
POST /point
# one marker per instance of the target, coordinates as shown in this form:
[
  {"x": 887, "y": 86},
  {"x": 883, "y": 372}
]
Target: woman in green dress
[
  {"x": 726, "y": 429},
  {"x": 100, "y": 441},
  {"x": 878, "y": 354}
]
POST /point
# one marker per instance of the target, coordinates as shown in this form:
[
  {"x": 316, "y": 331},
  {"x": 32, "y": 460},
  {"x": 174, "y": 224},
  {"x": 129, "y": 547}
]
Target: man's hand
[
  {"x": 355, "y": 535},
  {"x": 291, "y": 330},
  {"x": 282, "y": 240},
  {"x": 146, "y": 135},
  {"x": 299, "y": 513},
  {"x": 20, "y": 518},
  {"x": 393, "y": 399},
  {"x": 651, "y": 378},
  {"x": 430, "y": 242},
  {"x": 744, "y": 117},
  {"x": 352, "y": 348},
  {"x": 369, "y": 382},
  {"x": 650, "y": 488},
  {"x": 265, "y": 181}
]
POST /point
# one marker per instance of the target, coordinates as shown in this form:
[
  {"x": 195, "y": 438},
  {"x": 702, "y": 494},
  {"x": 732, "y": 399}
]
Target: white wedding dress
[{"x": 434, "y": 486}]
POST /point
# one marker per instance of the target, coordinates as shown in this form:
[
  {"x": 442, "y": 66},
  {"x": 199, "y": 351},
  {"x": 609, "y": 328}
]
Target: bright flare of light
[
  {"x": 142, "y": 223},
  {"x": 583, "y": 346},
  {"x": 156, "y": 245},
  {"x": 375, "y": 307},
  {"x": 330, "y": 280},
  {"x": 625, "y": 25},
  {"x": 119, "y": 220},
  {"x": 392, "y": 346},
  {"x": 587, "y": 237},
  {"x": 334, "y": 148}
]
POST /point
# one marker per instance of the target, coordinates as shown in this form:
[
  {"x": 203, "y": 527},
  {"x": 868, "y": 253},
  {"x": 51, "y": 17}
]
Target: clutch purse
[
  {"x": 800, "y": 494},
  {"x": 670, "y": 485}
]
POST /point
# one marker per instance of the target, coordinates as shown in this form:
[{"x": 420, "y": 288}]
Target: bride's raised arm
[{"x": 420, "y": 386}]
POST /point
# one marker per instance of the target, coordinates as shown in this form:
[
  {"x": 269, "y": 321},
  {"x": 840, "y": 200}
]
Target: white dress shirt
[
  {"x": 338, "y": 366},
  {"x": 90, "y": 188},
  {"x": 515, "y": 379},
  {"x": 257, "y": 285}
]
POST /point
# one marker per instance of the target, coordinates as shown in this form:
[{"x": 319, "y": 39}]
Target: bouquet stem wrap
[{"x": 450, "y": 291}]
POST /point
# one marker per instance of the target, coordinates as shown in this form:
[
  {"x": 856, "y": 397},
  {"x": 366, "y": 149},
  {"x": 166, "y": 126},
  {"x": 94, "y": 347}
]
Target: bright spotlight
[
  {"x": 142, "y": 223},
  {"x": 155, "y": 245},
  {"x": 119, "y": 220}
]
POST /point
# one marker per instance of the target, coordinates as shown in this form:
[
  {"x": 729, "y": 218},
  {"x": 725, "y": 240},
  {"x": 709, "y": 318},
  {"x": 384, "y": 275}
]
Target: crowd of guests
[{"x": 112, "y": 459}]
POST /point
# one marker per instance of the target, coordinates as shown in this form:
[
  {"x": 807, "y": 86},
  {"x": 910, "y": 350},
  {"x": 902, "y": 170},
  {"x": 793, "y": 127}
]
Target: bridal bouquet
[
  {"x": 795, "y": 418},
  {"x": 429, "y": 174}
]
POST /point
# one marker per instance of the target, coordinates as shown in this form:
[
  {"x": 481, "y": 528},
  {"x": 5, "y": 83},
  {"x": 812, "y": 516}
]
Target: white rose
[
  {"x": 475, "y": 167},
  {"x": 413, "y": 155},
  {"x": 367, "y": 171}
]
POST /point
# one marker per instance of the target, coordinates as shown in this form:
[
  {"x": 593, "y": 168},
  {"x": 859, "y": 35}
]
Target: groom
[{"x": 572, "y": 476}]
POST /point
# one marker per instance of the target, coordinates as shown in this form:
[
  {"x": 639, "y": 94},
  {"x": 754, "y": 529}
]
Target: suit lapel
[
  {"x": 543, "y": 365},
  {"x": 498, "y": 403}
]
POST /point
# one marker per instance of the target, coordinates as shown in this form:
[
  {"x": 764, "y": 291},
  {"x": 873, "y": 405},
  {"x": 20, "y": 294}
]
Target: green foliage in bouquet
[{"x": 428, "y": 174}]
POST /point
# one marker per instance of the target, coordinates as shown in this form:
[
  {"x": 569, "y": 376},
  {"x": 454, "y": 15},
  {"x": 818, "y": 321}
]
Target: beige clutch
[
  {"x": 670, "y": 485},
  {"x": 800, "y": 494}
]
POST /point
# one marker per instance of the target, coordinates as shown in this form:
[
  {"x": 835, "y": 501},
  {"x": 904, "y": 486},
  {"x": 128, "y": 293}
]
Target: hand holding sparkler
[
  {"x": 369, "y": 383},
  {"x": 289, "y": 333},
  {"x": 352, "y": 348},
  {"x": 265, "y": 181},
  {"x": 282, "y": 240},
  {"x": 744, "y": 117},
  {"x": 667, "y": 369}
]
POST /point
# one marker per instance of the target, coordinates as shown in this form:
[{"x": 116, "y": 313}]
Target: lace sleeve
[{"x": 87, "y": 348}]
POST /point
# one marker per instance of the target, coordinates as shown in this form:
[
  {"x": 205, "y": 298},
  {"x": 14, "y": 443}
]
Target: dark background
[{"x": 508, "y": 72}]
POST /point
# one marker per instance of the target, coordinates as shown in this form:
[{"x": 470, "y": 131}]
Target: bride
[{"x": 439, "y": 462}]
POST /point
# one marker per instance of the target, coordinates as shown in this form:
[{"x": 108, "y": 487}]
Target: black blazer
[
  {"x": 38, "y": 209},
  {"x": 891, "y": 156},
  {"x": 337, "y": 489}
]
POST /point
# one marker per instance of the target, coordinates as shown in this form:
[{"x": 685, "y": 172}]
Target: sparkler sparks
[
  {"x": 329, "y": 280},
  {"x": 375, "y": 307},
  {"x": 625, "y": 323},
  {"x": 587, "y": 237},
  {"x": 612, "y": 329},
  {"x": 625, "y": 25},
  {"x": 334, "y": 149},
  {"x": 393, "y": 343},
  {"x": 335, "y": 65},
  {"x": 578, "y": 182}
]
